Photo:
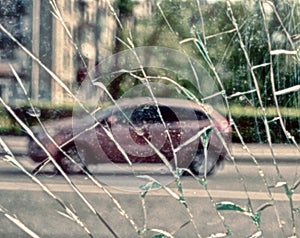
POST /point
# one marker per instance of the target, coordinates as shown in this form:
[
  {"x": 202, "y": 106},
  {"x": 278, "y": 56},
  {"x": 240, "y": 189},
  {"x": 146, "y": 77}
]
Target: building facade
[
  {"x": 14, "y": 18},
  {"x": 83, "y": 37}
]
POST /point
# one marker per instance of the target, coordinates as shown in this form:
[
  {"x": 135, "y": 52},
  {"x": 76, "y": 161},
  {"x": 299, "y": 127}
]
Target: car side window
[
  {"x": 149, "y": 114},
  {"x": 168, "y": 114},
  {"x": 201, "y": 115},
  {"x": 145, "y": 114}
]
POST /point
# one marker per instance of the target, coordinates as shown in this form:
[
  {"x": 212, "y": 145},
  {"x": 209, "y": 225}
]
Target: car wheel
[
  {"x": 199, "y": 167},
  {"x": 67, "y": 165}
]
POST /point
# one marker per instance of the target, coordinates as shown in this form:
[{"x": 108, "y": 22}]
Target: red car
[{"x": 138, "y": 130}]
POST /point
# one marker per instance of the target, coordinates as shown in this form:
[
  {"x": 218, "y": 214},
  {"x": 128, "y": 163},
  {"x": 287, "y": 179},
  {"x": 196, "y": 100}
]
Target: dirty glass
[{"x": 64, "y": 173}]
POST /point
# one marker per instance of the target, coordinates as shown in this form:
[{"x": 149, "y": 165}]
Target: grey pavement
[
  {"x": 17, "y": 144},
  {"x": 160, "y": 209},
  {"x": 264, "y": 152},
  {"x": 261, "y": 152}
]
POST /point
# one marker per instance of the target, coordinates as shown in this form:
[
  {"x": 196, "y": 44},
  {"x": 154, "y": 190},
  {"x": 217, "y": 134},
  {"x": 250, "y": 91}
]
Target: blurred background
[{"x": 71, "y": 37}]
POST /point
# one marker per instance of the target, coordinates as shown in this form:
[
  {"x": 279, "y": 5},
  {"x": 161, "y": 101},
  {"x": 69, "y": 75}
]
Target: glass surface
[{"x": 62, "y": 61}]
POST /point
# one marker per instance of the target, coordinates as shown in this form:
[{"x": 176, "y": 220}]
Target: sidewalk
[
  {"x": 261, "y": 152},
  {"x": 17, "y": 144}
]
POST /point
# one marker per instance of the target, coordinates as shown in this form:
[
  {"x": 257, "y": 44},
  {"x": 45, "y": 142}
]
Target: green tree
[{"x": 124, "y": 20}]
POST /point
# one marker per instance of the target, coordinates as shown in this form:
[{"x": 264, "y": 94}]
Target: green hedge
[
  {"x": 248, "y": 120},
  {"x": 250, "y": 123},
  {"x": 9, "y": 126},
  {"x": 253, "y": 129}
]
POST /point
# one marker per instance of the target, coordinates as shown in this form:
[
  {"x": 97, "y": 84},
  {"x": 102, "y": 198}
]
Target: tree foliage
[{"x": 174, "y": 21}]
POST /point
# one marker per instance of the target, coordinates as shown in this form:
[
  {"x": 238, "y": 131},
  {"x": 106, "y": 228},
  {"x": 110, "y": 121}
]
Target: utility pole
[{"x": 35, "y": 71}]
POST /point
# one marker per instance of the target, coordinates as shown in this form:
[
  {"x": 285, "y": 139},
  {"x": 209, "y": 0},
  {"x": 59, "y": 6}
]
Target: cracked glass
[{"x": 131, "y": 118}]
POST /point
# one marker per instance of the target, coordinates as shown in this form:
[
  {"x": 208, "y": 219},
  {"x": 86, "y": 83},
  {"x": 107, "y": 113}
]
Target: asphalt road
[
  {"x": 118, "y": 209},
  {"x": 121, "y": 205}
]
